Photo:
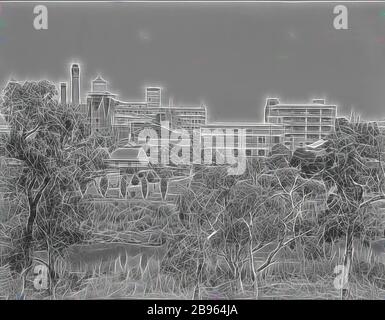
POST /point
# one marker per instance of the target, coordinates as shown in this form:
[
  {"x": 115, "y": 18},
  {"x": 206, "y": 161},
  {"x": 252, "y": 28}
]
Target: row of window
[
  {"x": 260, "y": 152},
  {"x": 302, "y": 112},
  {"x": 186, "y": 121}
]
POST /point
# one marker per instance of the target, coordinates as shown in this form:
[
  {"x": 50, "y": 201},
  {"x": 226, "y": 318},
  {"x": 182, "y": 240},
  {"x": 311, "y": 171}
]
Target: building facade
[
  {"x": 256, "y": 139},
  {"x": 304, "y": 123},
  {"x": 130, "y": 118},
  {"x": 100, "y": 107},
  {"x": 153, "y": 97}
]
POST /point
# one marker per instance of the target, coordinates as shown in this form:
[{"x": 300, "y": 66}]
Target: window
[
  {"x": 235, "y": 152},
  {"x": 248, "y": 152},
  {"x": 326, "y": 120},
  {"x": 298, "y": 128},
  {"x": 261, "y": 153},
  {"x": 261, "y": 140},
  {"x": 275, "y": 139}
]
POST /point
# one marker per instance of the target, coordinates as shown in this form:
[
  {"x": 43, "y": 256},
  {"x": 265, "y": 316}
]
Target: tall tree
[
  {"x": 52, "y": 144},
  {"x": 353, "y": 170}
]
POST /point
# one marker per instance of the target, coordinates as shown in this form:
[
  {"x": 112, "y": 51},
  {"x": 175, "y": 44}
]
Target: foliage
[
  {"x": 144, "y": 188},
  {"x": 56, "y": 155},
  {"x": 279, "y": 157},
  {"x": 346, "y": 167}
]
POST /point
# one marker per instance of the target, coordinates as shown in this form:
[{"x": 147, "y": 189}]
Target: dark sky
[{"x": 229, "y": 56}]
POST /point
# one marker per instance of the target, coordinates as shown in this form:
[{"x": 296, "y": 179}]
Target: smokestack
[
  {"x": 75, "y": 85},
  {"x": 63, "y": 93}
]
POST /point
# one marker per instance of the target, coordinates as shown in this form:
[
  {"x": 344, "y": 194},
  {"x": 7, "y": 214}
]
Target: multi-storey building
[
  {"x": 188, "y": 117},
  {"x": 258, "y": 138},
  {"x": 100, "y": 107},
  {"x": 304, "y": 123},
  {"x": 132, "y": 117}
]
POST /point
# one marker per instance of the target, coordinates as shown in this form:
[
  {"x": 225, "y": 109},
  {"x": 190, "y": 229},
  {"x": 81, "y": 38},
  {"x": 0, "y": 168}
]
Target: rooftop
[
  {"x": 303, "y": 105},
  {"x": 99, "y": 79},
  {"x": 130, "y": 154},
  {"x": 243, "y": 124}
]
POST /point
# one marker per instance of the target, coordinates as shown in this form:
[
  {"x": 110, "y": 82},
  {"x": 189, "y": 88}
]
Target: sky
[{"x": 229, "y": 56}]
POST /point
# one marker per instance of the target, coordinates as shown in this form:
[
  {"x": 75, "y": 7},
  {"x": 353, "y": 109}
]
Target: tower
[
  {"x": 63, "y": 93},
  {"x": 99, "y": 85},
  {"x": 153, "y": 97},
  {"x": 75, "y": 84}
]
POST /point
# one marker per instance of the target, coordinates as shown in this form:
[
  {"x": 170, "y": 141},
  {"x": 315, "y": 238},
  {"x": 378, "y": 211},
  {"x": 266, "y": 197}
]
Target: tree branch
[{"x": 374, "y": 199}]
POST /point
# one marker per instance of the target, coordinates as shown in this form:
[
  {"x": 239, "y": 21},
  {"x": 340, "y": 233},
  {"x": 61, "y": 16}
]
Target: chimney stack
[
  {"x": 63, "y": 93},
  {"x": 75, "y": 84}
]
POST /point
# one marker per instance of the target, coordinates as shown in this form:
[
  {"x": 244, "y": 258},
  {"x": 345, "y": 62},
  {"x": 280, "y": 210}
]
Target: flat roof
[
  {"x": 145, "y": 104},
  {"x": 100, "y": 93},
  {"x": 302, "y": 105},
  {"x": 244, "y": 124}
]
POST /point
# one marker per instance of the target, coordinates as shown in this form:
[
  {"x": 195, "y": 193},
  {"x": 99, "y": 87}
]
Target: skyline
[{"x": 229, "y": 57}]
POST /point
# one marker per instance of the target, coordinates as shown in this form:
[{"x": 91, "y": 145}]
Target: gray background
[{"x": 229, "y": 56}]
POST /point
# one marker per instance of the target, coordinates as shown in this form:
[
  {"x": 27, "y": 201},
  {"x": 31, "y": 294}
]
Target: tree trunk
[
  {"x": 27, "y": 237},
  {"x": 33, "y": 204},
  {"x": 253, "y": 272},
  {"x": 251, "y": 257},
  {"x": 238, "y": 277},
  {"x": 347, "y": 263}
]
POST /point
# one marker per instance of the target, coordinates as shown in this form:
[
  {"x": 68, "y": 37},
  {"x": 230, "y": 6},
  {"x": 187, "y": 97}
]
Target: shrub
[
  {"x": 103, "y": 185},
  {"x": 144, "y": 188},
  {"x": 163, "y": 187},
  {"x": 123, "y": 185},
  {"x": 135, "y": 180}
]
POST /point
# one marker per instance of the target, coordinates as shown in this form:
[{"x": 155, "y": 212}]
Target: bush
[
  {"x": 103, "y": 185},
  {"x": 144, "y": 188},
  {"x": 135, "y": 180},
  {"x": 163, "y": 187},
  {"x": 123, "y": 185}
]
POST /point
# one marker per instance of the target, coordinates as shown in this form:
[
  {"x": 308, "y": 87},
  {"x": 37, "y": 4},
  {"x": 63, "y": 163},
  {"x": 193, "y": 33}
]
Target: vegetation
[
  {"x": 276, "y": 231},
  {"x": 56, "y": 156}
]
